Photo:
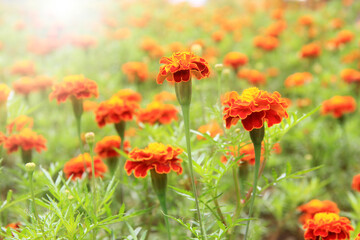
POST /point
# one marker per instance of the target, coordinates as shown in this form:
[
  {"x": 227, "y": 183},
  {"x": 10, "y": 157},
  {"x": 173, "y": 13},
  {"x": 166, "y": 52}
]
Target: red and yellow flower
[
  {"x": 135, "y": 71},
  {"x": 158, "y": 112},
  {"x": 315, "y": 206},
  {"x": 311, "y": 50},
  {"x": 254, "y": 107},
  {"x": 252, "y": 76},
  {"x": 247, "y": 152},
  {"x": 128, "y": 95},
  {"x": 350, "y": 75},
  {"x": 213, "y": 129},
  {"x": 23, "y": 68},
  {"x": 355, "y": 185},
  {"x": 338, "y": 106},
  {"x": 19, "y": 123},
  {"x": 155, "y": 156},
  {"x": 298, "y": 79},
  {"x": 105, "y": 148},
  {"x": 267, "y": 43},
  {"x": 26, "y": 140},
  {"x": 235, "y": 60}
]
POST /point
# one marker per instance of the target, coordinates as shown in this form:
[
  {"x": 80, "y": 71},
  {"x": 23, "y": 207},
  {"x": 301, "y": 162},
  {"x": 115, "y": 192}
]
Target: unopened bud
[
  {"x": 197, "y": 49},
  {"x": 219, "y": 67},
  {"x": 30, "y": 167},
  {"x": 226, "y": 72},
  {"x": 90, "y": 137}
]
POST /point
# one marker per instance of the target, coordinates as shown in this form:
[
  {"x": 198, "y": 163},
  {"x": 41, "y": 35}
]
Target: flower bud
[
  {"x": 219, "y": 67},
  {"x": 30, "y": 167},
  {"x": 197, "y": 49},
  {"x": 90, "y": 137}
]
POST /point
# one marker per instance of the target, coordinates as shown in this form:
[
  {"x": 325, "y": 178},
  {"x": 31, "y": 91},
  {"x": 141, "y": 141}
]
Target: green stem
[
  {"x": 186, "y": 113},
  {"x": 93, "y": 185},
  {"x": 33, "y": 203},
  {"x": 120, "y": 129},
  {"x": 78, "y": 127},
  {"x": 257, "y": 148},
  {"x": 238, "y": 194}
]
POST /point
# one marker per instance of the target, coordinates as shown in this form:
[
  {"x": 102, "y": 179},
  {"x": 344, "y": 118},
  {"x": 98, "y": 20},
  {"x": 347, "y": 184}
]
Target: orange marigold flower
[
  {"x": 4, "y": 93},
  {"x": 303, "y": 102},
  {"x": 155, "y": 156},
  {"x": 350, "y": 75},
  {"x": 275, "y": 29},
  {"x": 128, "y": 95},
  {"x": 298, "y": 79},
  {"x": 311, "y": 50},
  {"x": 26, "y": 140},
  {"x": 337, "y": 23},
  {"x": 218, "y": 36},
  {"x": 19, "y": 123},
  {"x": 344, "y": 36},
  {"x": 235, "y": 60},
  {"x": 2, "y": 138},
  {"x": 135, "y": 71},
  {"x": 181, "y": 66},
  {"x": 75, "y": 168},
  {"x": 43, "y": 82},
  {"x": 213, "y": 129},
  {"x": 277, "y": 14},
  {"x": 105, "y": 148},
  {"x": 23, "y": 68},
  {"x": 246, "y": 152},
  {"x": 158, "y": 112},
  {"x": 164, "y": 96},
  {"x": 24, "y": 85},
  {"x": 15, "y": 226},
  {"x": 356, "y": 183},
  {"x": 84, "y": 42},
  {"x": 74, "y": 86},
  {"x": 253, "y": 107},
  {"x": 328, "y": 226},
  {"x": 306, "y": 20},
  {"x": 267, "y": 43},
  {"x": 315, "y": 206},
  {"x": 115, "y": 110},
  {"x": 338, "y": 106},
  {"x": 90, "y": 106},
  {"x": 252, "y": 76}
]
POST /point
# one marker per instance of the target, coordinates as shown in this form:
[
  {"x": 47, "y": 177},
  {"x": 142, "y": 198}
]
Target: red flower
[
  {"x": 338, "y": 106},
  {"x": 19, "y": 123},
  {"x": 181, "y": 66},
  {"x": 158, "y": 112},
  {"x": 235, "y": 60},
  {"x": 74, "y": 86},
  {"x": 356, "y": 183},
  {"x": 27, "y": 140},
  {"x": 155, "y": 156},
  {"x": 76, "y": 166},
  {"x": 328, "y": 226},
  {"x": 311, "y": 50},
  {"x": 106, "y": 147},
  {"x": 357, "y": 237},
  {"x": 315, "y": 206},
  {"x": 253, "y": 107},
  {"x": 350, "y": 75}
]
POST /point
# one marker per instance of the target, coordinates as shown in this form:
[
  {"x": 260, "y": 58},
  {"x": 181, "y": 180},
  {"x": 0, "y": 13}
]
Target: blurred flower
[
  {"x": 338, "y": 106},
  {"x": 157, "y": 112},
  {"x": 4, "y": 93},
  {"x": 23, "y": 68},
  {"x": 267, "y": 43},
  {"x": 246, "y": 152},
  {"x": 235, "y": 60},
  {"x": 212, "y": 129},
  {"x": 19, "y": 123},
  {"x": 306, "y": 20},
  {"x": 164, "y": 96},
  {"x": 26, "y": 140},
  {"x": 218, "y": 36},
  {"x": 253, "y": 107},
  {"x": 135, "y": 71},
  {"x": 152, "y": 47},
  {"x": 272, "y": 72},
  {"x": 350, "y": 75},
  {"x": 120, "y": 33},
  {"x": 105, "y": 148},
  {"x": 75, "y": 167},
  {"x": 84, "y": 42},
  {"x": 90, "y": 106},
  {"x": 181, "y": 66},
  {"x": 24, "y": 86},
  {"x": 41, "y": 83},
  {"x": 177, "y": 47},
  {"x": 311, "y": 50},
  {"x": 253, "y": 76},
  {"x": 298, "y": 79},
  {"x": 155, "y": 156},
  {"x": 128, "y": 95},
  {"x": 276, "y": 28},
  {"x": 328, "y": 226},
  {"x": 2, "y": 138},
  {"x": 337, "y": 23},
  {"x": 356, "y": 183},
  {"x": 315, "y": 206},
  {"x": 277, "y": 14},
  {"x": 303, "y": 102}
]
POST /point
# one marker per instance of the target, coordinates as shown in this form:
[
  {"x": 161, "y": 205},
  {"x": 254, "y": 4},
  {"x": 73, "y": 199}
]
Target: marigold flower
[
  {"x": 158, "y": 112},
  {"x": 4, "y": 93},
  {"x": 303, "y": 102},
  {"x": 306, "y": 20},
  {"x": 90, "y": 106},
  {"x": 24, "y": 85},
  {"x": 2, "y": 138},
  {"x": 23, "y": 68},
  {"x": 298, "y": 79},
  {"x": 355, "y": 185},
  {"x": 253, "y": 107},
  {"x": 311, "y": 50},
  {"x": 181, "y": 66},
  {"x": 128, "y": 95},
  {"x": 164, "y": 96},
  {"x": 315, "y": 206},
  {"x": 19, "y": 123},
  {"x": 135, "y": 71},
  {"x": 338, "y": 106},
  {"x": 26, "y": 140},
  {"x": 277, "y": 14},
  {"x": 275, "y": 29},
  {"x": 213, "y": 129},
  {"x": 344, "y": 37},
  {"x": 74, "y": 86},
  {"x": 75, "y": 168},
  {"x": 337, "y": 23},
  {"x": 267, "y": 43},
  {"x": 235, "y": 60},
  {"x": 350, "y": 75},
  {"x": 155, "y": 156},
  {"x": 218, "y": 36},
  {"x": 84, "y": 42},
  {"x": 43, "y": 82},
  {"x": 328, "y": 226},
  {"x": 105, "y": 148},
  {"x": 252, "y": 76},
  {"x": 115, "y": 110}
]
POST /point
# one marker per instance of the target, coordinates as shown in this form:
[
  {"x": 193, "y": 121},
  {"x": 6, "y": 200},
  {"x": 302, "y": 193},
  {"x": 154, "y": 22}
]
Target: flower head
[
  {"x": 355, "y": 185},
  {"x": 311, "y": 50},
  {"x": 298, "y": 79},
  {"x": 135, "y": 71},
  {"x": 156, "y": 156},
  {"x": 235, "y": 60},
  {"x": 338, "y": 106},
  {"x": 158, "y": 112},
  {"x": 181, "y": 66},
  {"x": 19, "y": 123},
  {"x": 252, "y": 76},
  {"x": 315, "y": 206},
  {"x": 23, "y": 68},
  {"x": 26, "y": 140},
  {"x": 24, "y": 85},
  {"x": 76, "y": 166},
  {"x": 128, "y": 95},
  {"x": 350, "y": 75},
  {"x": 74, "y": 86},
  {"x": 328, "y": 226},
  {"x": 4, "y": 93},
  {"x": 212, "y": 128},
  {"x": 2, "y": 138},
  {"x": 306, "y": 20},
  {"x": 357, "y": 237},
  {"x": 254, "y": 107},
  {"x": 267, "y": 43},
  {"x": 105, "y": 148}
]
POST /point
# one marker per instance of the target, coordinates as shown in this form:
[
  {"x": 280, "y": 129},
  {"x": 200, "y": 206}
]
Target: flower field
[{"x": 146, "y": 120}]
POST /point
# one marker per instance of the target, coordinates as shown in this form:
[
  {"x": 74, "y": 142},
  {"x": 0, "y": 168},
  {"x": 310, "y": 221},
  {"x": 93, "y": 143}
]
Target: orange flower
[
  {"x": 235, "y": 60},
  {"x": 84, "y": 42},
  {"x": 74, "y": 86},
  {"x": 357, "y": 237},
  {"x": 218, "y": 36},
  {"x": 23, "y": 68},
  {"x": 306, "y": 20},
  {"x": 181, "y": 66},
  {"x": 177, "y": 47},
  {"x": 338, "y": 106},
  {"x": 120, "y": 33},
  {"x": 253, "y": 107},
  {"x": 303, "y": 102},
  {"x": 42, "y": 82},
  {"x": 252, "y": 76},
  {"x": 4, "y": 93},
  {"x": 315, "y": 206},
  {"x": 298, "y": 79},
  {"x": 105, "y": 148},
  {"x": 164, "y": 96},
  {"x": 213, "y": 129},
  {"x": 311, "y": 50},
  {"x": 115, "y": 110},
  {"x": 155, "y": 156},
  {"x": 158, "y": 112},
  {"x": 24, "y": 85},
  {"x": 328, "y": 226},
  {"x": 337, "y": 23},
  {"x": 275, "y": 29},
  {"x": 2, "y": 138},
  {"x": 277, "y": 14},
  {"x": 344, "y": 36},
  {"x": 128, "y": 95},
  {"x": 75, "y": 168},
  {"x": 356, "y": 183},
  {"x": 26, "y": 140},
  {"x": 267, "y": 43},
  {"x": 350, "y": 75},
  {"x": 19, "y": 123},
  {"x": 15, "y": 226},
  {"x": 90, "y": 106},
  {"x": 135, "y": 71}
]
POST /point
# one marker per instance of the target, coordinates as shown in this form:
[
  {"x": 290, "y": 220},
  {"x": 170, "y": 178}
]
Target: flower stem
[
  {"x": 120, "y": 129},
  {"x": 186, "y": 113},
  {"x": 93, "y": 185},
  {"x": 238, "y": 194},
  {"x": 33, "y": 203}
]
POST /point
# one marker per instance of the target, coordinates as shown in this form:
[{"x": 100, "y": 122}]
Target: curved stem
[{"x": 186, "y": 113}]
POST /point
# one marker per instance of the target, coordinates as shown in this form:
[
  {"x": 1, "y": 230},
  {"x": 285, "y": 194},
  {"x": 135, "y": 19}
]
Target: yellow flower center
[
  {"x": 323, "y": 218},
  {"x": 249, "y": 94}
]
